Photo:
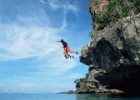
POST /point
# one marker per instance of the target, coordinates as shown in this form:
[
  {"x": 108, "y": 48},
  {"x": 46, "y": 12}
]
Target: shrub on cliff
[{"x": 116, "y": 10}]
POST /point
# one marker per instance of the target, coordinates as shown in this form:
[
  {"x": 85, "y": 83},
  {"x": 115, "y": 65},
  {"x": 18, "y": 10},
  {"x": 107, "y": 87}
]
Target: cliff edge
[{"x": 113, "y": 55}]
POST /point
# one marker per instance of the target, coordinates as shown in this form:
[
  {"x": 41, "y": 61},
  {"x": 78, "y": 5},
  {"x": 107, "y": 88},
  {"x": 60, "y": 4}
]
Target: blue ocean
[{"x": 61, "y": 97}]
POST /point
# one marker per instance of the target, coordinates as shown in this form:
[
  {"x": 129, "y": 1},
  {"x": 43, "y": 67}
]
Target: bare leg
[
  {"x": 69, "y": 56},
  {"x": 66, "y": 55},
  {"x": 73, "y": 51}
]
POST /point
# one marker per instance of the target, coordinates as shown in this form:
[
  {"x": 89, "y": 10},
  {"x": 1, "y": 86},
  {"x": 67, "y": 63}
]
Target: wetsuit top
[{"x": 64, "y": 43}]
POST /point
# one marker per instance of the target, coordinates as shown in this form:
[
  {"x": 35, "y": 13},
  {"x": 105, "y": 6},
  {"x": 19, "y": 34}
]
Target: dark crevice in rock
[{"x": 113, "y": 56}]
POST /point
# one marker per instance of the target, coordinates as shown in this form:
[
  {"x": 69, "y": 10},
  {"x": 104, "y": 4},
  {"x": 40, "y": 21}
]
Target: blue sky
[{"x": 30, "y": 58}]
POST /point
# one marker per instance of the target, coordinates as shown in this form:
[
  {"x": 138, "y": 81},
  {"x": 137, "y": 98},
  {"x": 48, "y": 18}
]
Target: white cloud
[
  {"x": 28, "y": 38},
  {"x": 23, "y": 42},
  {"x": 43, "y": 1},
  {"x": 33, "y": 36},
  {"x": 67, "y": 6}
]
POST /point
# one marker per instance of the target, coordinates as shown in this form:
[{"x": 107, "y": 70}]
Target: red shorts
[{"x": 67, "y": 49}]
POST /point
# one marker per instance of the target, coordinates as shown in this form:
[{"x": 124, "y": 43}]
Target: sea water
[{"x": 61, "y": 97}]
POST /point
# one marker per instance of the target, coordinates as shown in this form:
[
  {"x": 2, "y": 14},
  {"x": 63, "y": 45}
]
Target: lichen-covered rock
[
  {"x": 98, "y": 5},
  {"x": 113, "y": 55},
  {"x": 116, "y": 50},
  {"x": 116, "y": 44}
]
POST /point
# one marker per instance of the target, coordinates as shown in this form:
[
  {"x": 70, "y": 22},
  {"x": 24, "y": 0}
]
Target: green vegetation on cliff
[
  {"x": 116, "y": 10},
  {"x": 81, "y": 84},
  {"x": 112, "y": 56}
]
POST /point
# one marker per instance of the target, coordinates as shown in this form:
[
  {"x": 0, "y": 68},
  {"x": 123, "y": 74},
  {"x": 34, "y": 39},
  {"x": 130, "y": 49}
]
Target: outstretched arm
[{"x": 58, "y": 41}]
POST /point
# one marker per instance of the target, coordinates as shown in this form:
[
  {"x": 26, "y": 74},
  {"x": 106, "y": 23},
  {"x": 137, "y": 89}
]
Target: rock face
[
  {"x": 98, "y": 5},
  {"x": 113, "y": 55}
]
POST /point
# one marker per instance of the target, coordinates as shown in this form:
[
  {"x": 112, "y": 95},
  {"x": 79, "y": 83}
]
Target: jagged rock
[
  {"x": 113, "y": 55},
  {"x": 72, "y": 92},
  {"x": 114, "y": 45}
]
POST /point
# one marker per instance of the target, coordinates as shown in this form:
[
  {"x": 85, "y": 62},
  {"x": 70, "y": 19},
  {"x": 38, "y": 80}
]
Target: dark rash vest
[{"x": 64, "y": 43}]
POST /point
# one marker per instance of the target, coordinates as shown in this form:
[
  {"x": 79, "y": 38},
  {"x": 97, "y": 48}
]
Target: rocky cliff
[{"x": 113, "y": 55}]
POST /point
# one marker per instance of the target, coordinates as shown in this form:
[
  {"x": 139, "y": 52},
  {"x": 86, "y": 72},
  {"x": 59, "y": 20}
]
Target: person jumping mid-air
[{"x": 67, "y": 49}]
